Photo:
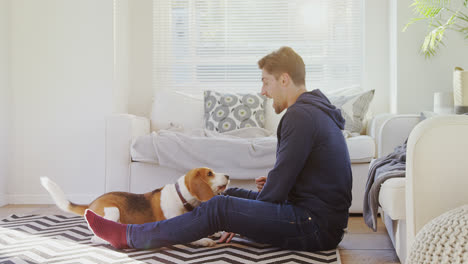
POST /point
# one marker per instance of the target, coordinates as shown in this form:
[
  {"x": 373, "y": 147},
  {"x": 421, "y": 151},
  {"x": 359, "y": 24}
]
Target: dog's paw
[
  {"x": 97, "y": 240},
  {"x": 204, "y": 242}
]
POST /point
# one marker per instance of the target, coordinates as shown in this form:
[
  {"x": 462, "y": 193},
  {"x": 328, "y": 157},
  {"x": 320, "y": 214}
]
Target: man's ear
[
  {"x": 285, "y": 79},
  {"x": 201, "y": 190}
]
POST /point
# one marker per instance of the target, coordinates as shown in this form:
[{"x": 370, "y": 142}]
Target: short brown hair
[{"x": 284, "y": 60}]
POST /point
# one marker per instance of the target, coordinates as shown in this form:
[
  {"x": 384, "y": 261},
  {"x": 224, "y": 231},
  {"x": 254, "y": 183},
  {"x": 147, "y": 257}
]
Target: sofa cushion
[
  {"x": 353, "y": 108},
  {"x": 176, "y": 109},
  {"x": 392, "y": 198},
  {"x": 361, "y": 148},
  {"x": 166, "y": 114},
  {"x": 229, "y": 111},
  {"x": 352, "y": 101}
]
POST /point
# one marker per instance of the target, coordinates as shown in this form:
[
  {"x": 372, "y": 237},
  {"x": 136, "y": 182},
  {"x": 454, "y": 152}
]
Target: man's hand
[
  {"x": 226, "y": 237},
  {"x": 260, "y": 181}
]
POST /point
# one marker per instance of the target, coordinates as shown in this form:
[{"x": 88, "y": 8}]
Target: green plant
[{"x": 440, "y": 15}]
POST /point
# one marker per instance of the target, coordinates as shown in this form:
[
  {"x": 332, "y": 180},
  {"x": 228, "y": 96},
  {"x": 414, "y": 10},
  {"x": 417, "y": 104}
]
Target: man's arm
[
  {"x": 241, "y": 193},
  {"x": 296, "y": 143}
]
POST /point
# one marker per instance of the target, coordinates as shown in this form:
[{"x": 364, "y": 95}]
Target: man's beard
[{"x": 277, "y": 108}]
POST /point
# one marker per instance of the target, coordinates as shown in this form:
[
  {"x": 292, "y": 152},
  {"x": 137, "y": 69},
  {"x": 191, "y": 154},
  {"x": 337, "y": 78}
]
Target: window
[{"x": 215, "y": 44}]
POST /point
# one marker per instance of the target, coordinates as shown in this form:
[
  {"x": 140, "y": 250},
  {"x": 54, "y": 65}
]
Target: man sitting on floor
[{"x": 304, "y": 202}]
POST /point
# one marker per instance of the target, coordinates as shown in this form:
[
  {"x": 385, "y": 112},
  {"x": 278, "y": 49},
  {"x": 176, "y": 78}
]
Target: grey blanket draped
[{"x": 391, "y": 166}]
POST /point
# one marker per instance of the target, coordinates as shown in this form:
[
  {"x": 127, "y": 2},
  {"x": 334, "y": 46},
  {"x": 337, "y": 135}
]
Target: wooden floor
[{"x": 359, "y": 246}]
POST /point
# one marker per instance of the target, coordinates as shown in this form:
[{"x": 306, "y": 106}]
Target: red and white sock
[{"x": 113, "y": 232}]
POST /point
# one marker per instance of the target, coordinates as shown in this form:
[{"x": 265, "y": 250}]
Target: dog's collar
[{"x": 187, "y": 206}]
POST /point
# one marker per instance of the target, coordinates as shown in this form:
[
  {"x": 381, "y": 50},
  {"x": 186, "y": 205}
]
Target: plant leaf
[
  {"x": 429, "y": 8},
  {"x": 412, "y": 21},
  {"x": 435, "y": 13}
]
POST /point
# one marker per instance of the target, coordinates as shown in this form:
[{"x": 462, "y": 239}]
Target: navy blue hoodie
[{"x": 312, "y": 168}]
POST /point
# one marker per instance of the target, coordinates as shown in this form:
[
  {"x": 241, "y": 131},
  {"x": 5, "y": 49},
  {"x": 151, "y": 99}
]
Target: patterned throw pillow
[
  {"x": 226, "y": 112},
  {"x": 353, "y": 108}
]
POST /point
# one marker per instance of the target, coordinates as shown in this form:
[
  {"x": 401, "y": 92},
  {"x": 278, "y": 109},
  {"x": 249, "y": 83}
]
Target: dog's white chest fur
[
  {"x": 170, "y": 202},
  {"x": 171, "y": 205}
]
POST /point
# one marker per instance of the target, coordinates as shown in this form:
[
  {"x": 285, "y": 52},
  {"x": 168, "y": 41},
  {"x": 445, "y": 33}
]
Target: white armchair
[
  {"x": 436, "y": 175},
  {"x": 437, "y": 170}
]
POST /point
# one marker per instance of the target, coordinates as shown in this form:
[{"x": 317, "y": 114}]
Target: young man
[{"x": 302, "y": 204}]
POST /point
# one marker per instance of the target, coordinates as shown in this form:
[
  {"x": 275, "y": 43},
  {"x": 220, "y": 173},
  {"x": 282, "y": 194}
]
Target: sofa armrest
[
  {"x": 121, "y": 129},
  {"x": 375, "y": 124},
  {"x": 390, "y": 131},
  {"x": 436, "y": 170}
]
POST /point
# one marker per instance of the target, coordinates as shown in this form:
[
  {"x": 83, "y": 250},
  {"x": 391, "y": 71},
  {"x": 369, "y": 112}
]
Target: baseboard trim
[
  {"x": 46, "y": 199},
  {"x": 3, "y": 200}
]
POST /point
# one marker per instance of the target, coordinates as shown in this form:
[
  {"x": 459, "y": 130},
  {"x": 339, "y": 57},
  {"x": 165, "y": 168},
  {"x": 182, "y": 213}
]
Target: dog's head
[{"x": 204, "y": 183}]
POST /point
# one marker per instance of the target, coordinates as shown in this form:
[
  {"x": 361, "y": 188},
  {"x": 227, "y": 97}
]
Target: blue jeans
[{"x": 283, "y": 225}]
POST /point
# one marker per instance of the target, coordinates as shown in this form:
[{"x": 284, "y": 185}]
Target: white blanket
[{"x": 242, "y": 154}]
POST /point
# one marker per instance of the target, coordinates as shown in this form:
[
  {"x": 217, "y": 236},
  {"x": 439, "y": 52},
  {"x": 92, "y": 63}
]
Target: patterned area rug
[{"x": 64, "y": 239}]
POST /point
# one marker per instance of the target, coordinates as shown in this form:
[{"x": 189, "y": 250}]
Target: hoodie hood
[{"x": 318, "y": 99}]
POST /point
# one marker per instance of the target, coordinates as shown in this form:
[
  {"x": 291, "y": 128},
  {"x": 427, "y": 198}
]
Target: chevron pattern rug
[{"x": 65, "y": 239}]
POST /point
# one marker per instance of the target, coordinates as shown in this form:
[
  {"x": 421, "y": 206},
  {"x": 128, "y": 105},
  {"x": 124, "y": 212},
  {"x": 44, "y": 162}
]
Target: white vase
[{"x": 460, "y": 90}]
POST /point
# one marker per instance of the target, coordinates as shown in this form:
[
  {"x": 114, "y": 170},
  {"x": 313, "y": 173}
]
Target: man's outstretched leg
[
  {"x": 113, "y": 232},
  {"x": 281, "y": 225}
]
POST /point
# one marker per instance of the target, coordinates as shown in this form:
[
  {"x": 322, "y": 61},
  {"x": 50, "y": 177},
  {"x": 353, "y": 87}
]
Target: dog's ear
[{"x": 200, "y": 188}]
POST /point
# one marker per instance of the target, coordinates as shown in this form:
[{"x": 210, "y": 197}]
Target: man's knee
[
  {"x": 217, "y": 200},
  {"x": 216, "y": 204},
  {"x": 215, "y": 207}
]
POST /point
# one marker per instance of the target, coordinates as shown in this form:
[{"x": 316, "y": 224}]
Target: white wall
[
  {"x": 376, "y": 53},
  {"x": 141, "y": 59},
  {"x": 414, "y": 78},
  {"x": 122, "y": 40},
  {"x": 5, "y": 97},
  {"x": 62, "y": 76}
]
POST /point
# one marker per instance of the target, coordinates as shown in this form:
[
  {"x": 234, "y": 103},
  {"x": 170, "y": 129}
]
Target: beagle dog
[{"x": 198, "y": 185}]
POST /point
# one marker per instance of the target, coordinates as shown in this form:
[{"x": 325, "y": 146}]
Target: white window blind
[{"x": 215, "y": 44}]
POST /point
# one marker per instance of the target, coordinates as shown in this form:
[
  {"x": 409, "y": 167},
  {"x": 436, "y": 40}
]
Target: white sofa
[
  {"x": 121, "y": 129},
  {"x": 436, "y": 173}
]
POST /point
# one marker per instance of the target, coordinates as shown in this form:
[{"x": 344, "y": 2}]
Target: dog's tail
[{"x": 59, "y": 198}]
